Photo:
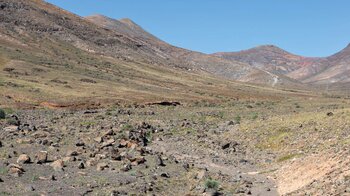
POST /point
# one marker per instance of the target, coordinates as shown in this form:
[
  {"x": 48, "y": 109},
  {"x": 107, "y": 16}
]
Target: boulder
[
  {"x": 81, "y": 165},
  {"x": 98, "y": 139},
  {"x": 23, "y": 159},
  {"x": 58, "y": 165},
  {"x": 137, "y": 161},
  {"x": 165, "y": 175},
  {"x": 101, "y": 166},
  {"x": 108, "y": 143},
  {"x": 126, "y": 167},
  {"x": 160, "y": 161},
  {"x": 41, "y": 157},
  {"x": 15, "y": 170},
  {"x": 72, "y": 153},
  {"x": 91, "y": 162}
]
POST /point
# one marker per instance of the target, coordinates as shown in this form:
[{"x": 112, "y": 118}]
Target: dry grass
[{"x": 39, "y": 77}]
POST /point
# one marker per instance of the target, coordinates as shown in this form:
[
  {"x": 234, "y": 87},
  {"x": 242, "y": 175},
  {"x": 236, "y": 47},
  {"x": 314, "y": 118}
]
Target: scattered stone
[
  {"x": 138, "y": 161},
  {"x": 90, "y": 112},
  {"x": 101, "y": 166},
  {"x": 40, "y": 134},
  {"x": 160, "y": 161},
  {"x": 118, "y": 193},
  {"x": 52, "y": 177},
  {"x": 240, "y": 191},
  {"x": 81, "y": 165},
  {"x": 330, "y": 114},
  {"x": 201, "y": 175},
  {"x": 122, "y": 143},
  {"x": 23, "y": 159},
  {"x": 41, "y": 157},
  {"x": 25, "y": 141},
  {"x": 165, "y": 175},
  {"x": 87, "y": 191},
  {"x": 69, "y": 159},
  {"x": 244, "y": 161},
  {"x": 45, "y": 142},
  {"x": 126, "y": 167},
  {"x": 30, "y": 188},
  {"x": 10, "y": 129},
  {"x": 72, "y": 153},
  {"x": 225, "y": 146},
  {"x": 230, "y": 123},
  {"x": 108, "y": 133},
  {"x": 15, "y": 170},
  {"x": 82, "y": 173},
  {"x": 98, "y": 139},
  {"x": 80, "y": 143},
  {"x": 91, "y": 162},
  {"x": 58, "y": 165},
  {"x": 186, "y": 166},
  {"x": 108, "y": 143},
  {"x": 229, "y": 145},
  {"x": 118, "y": 157}
]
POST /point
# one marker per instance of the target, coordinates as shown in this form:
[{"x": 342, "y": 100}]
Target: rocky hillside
[
  {"x": 50, "y": 57},
  {"x": 333, "y": 69},
  {"x": 338, "y": 69},
  {"x": 97, "y": 106},
  {"x": 187, "y": 59},
  {"x": 33, "y": 23},
  {"x": 269, "y": 58}
]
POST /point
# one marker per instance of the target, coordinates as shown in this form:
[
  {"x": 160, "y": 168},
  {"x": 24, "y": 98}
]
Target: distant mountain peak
[
  {"x": 127, "y": 21},
  {"x": 131, "y": 24},
  {"x": 123, "y": 20},
  {"x": 267, "y": 46},
  {"x": 96, "y": 16},
  {"x": 271, "y": 48}
]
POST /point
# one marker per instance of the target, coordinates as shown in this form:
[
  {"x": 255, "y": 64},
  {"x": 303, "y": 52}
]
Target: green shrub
[
  {"x": 127, "y": 127},
  {"x": 238, "y": 119},
  {"x": 221, "y": 114},
  {"x": 211, "y": 184},
  {"x": 2, "y": 114},
  {"x": 254, "y": 116}
]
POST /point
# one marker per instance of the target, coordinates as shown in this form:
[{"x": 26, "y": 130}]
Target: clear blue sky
[{"x": 304, "y": 27}]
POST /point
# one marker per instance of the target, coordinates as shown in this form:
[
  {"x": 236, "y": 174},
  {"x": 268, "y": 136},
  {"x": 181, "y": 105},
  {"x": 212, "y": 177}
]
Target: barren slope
[
  {"x": 54, "y": 58},
  {"x": 338, "y": 70},
  {"x": 186, "y": 59},
  {"x": 316, "y": 71},
  {"x": 273, "y": 59}
]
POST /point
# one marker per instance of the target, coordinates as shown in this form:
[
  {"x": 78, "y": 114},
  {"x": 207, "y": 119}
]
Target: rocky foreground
[
  {"x": 150, "y": 150},
  {"x": 292, "y": 147}
]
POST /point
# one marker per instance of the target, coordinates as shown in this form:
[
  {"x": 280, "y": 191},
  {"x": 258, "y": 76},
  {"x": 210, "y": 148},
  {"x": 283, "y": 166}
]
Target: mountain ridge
[
  {"x": 309, "y": 70},
  {"x": 52, "y": 57},
  {"x": 191, "y": 60},
  {"x": 271, "y": 60}
]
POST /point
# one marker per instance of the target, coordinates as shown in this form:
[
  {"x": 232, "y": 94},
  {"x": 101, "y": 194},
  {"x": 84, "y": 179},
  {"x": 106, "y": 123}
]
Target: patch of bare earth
[{"x": 317, "y": 174}]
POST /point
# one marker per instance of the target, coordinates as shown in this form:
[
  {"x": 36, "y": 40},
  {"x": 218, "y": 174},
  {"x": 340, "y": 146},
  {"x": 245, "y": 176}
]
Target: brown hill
[
  {"x": 187, "y": 59},
  {"x": 337, "y": 69},
  {"x": 315, "y": 71},
  {"x": 54, "y": 58},
  {"x": 278, "y": 61}
]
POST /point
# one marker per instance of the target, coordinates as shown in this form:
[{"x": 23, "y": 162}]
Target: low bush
[
  {"x": 211, "y": 184},
  {"x": 2, "y": 114}
]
